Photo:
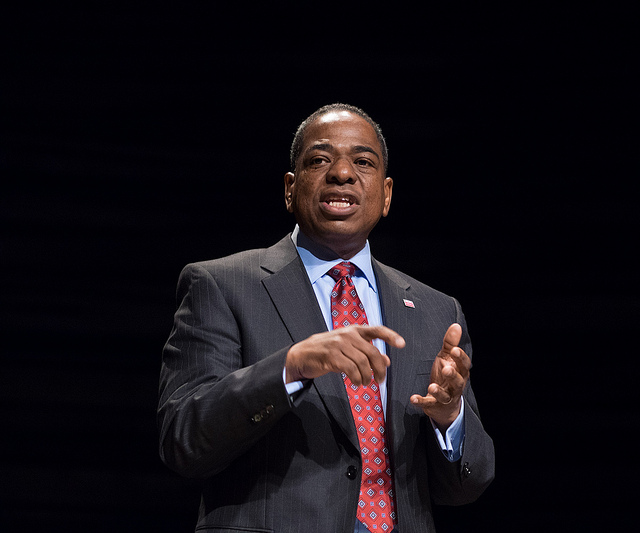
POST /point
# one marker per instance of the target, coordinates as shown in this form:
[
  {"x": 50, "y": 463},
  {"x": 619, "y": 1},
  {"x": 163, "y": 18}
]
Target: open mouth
[
  {"x": 339, "y": 199},
  {"x": 339, "y": 203}
]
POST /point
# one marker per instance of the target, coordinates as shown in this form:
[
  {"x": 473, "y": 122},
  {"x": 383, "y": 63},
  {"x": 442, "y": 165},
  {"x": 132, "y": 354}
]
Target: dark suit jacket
[{"x": 271, "y": 462}]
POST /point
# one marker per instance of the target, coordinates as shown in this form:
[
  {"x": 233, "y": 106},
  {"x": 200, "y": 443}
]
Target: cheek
[
  {"x": 304, "y": 193},
  {"x": 302, "y": 201}
]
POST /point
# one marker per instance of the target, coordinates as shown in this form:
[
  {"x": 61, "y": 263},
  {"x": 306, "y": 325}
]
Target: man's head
[{"x": 338, "y": 189}]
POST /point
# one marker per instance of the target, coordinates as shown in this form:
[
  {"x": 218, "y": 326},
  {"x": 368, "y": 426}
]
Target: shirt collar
[{"x": 316, "y": 268}]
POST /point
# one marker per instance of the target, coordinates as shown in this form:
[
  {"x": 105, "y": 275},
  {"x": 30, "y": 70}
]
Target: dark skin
[{"x": 338, "y": 193}]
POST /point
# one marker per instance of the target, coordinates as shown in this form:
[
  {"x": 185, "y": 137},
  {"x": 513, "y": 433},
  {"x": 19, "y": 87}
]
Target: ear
[
  {"x": 289, "y": 180},
  {"x": 388, "y": 190}
]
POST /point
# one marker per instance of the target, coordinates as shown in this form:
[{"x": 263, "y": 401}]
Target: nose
[{"x": 341, "y": 172}]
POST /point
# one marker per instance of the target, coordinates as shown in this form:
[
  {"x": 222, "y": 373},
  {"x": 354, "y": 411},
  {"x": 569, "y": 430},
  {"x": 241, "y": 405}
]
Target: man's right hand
[{"x": 347, "y": 350}]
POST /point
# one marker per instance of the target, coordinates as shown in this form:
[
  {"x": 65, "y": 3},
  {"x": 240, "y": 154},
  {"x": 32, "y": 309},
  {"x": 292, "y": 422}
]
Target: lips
[
  {"x": 338, "y": 203},
  {"x": 339, "y": 199}
]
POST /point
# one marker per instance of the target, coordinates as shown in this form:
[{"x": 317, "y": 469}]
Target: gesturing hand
[
  {"x": 347, "y": 350},
  {"x": 449, "y": 376}
]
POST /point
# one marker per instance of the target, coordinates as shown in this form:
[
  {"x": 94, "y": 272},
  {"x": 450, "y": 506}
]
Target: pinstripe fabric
[{"x": 272, "y": 463}]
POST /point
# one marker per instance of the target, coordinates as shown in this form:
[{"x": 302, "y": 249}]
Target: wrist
[
  {"x": 444, "y": 420},
  {"x": 291, "y": 371}
]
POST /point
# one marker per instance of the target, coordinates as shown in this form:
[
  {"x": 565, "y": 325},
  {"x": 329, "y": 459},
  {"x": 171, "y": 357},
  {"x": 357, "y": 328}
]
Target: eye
[
  {"x": 316, "y": 161},
  {"x": 364, "y": 162}
]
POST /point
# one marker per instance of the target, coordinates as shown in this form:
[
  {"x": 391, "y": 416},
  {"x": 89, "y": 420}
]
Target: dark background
[{"x": 136, "y": 140}]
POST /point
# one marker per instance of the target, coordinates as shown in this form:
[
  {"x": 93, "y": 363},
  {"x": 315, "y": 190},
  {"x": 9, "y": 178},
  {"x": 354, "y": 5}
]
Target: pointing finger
[{"x": 383, "y": 333}]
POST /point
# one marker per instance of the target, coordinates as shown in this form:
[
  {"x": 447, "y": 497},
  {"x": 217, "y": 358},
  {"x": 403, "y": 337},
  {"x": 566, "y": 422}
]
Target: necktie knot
[{"x": 342, "y": 270}]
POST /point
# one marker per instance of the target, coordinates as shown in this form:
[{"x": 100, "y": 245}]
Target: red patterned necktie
[{"x": 376, "y": 507}]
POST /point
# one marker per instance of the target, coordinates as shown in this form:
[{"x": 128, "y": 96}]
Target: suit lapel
[
  {"x": 292, "y": 294},
  {"x": 393, "y": 290},
  {"x": 290, "y": 290}
]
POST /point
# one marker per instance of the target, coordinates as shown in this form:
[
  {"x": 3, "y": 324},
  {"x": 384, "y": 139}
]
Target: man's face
[{"x": 339, "y": 190}]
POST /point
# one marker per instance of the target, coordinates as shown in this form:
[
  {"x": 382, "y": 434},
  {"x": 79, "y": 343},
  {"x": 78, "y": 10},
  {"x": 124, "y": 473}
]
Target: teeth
[{"x": 334, "y": 203}]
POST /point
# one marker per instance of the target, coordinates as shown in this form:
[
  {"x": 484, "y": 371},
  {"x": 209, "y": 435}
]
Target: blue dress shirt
[{"x": 365, "y": 282}]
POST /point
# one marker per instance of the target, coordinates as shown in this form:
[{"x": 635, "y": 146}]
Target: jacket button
[
  {"x": 352, "y": 472},
  {"x": 466, "y": 471},
  {"x": 263, "y": 415}
]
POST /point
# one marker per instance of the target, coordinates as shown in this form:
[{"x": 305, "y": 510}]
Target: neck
[{"x": 323, "y": 251}]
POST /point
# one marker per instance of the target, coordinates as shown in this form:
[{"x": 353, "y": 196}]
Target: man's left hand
[{"x": 449, "y": 377}]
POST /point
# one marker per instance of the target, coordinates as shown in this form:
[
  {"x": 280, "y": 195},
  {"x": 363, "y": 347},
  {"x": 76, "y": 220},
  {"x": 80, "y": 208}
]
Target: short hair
[{"x": 298, "y": 138}]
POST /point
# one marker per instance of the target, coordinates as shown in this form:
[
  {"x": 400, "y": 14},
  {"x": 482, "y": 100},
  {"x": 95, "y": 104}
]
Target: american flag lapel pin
[{"x": 409, "y": 303}]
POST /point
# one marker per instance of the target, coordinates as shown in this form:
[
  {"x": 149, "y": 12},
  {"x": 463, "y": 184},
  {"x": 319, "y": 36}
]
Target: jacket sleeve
[
  {"x": 463, "y": 481},
  {"x": 211, "y": 407}
]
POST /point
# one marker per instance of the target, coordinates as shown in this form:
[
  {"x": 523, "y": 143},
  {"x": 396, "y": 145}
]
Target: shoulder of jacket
[{"x": 246, "y": 260}]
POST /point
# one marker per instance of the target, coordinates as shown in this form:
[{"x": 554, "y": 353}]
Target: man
[{"x": 264, "y": 374}]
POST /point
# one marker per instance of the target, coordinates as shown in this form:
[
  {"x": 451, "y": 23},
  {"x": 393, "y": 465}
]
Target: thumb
[{"x": 451, "y": 338}]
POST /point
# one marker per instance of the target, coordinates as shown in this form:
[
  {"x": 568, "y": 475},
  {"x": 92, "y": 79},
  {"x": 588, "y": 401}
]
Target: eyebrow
[{"x": 357, "y": 149}]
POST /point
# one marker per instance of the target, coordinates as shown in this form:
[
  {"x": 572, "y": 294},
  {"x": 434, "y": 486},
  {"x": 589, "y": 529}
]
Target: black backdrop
[{"x": 136, "y": 140}]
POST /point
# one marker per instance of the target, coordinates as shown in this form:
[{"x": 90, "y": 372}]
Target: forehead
[{"x": 341, "y": 128}]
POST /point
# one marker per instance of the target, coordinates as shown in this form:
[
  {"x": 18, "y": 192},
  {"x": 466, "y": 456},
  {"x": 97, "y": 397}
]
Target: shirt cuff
[
  {"x": 292, "y": 387},
  {"x": 453, "y": 440}
]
